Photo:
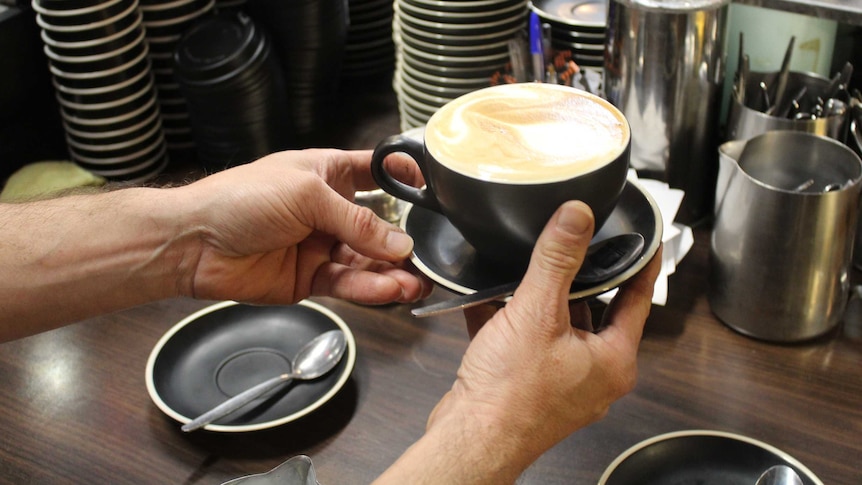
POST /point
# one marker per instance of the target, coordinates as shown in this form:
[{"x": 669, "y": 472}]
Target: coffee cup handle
[{"x": 423, "y": 197}]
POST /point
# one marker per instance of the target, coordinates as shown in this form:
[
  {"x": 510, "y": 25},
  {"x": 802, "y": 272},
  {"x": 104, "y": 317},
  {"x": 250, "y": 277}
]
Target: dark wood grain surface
[{"x": 74, "y": 406}]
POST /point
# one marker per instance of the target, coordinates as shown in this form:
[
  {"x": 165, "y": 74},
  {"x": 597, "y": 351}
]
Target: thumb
[
  {"x": 558, "y": 254},
  {"x": 361, "y": 229}
]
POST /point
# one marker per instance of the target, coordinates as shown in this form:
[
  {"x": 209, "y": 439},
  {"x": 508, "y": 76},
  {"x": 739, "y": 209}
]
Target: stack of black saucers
[
  {"x": 446, "y": 48},
  {"x": 97, "y": 55},
  {"x": 370, "y": 50},
  {"x": 235, "y": 91},
  {"x": 165, "y": 22},
  {"x": 576, "y": 26},
  {"x": 308, "y": 37}
]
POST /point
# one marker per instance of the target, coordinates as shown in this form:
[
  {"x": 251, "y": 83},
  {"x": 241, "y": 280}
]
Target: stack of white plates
[
  {"x": 369, "y": 49},
  {"x": 97, "y": 55},
  {"x": 578, "y": 26},
  {"x": 166, "y": 21},
  {"x": 446, "y": 48}
]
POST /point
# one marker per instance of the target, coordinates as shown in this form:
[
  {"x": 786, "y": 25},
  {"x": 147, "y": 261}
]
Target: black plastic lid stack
[
  {"x": 235, "y": 91},
  {"x": 308, "y": 38},
  {"x": 166, "y": 21}
]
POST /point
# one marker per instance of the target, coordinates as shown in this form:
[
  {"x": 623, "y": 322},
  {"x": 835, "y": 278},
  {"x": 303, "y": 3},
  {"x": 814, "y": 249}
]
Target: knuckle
[
  {"x": 559, "y": 257},
  {"x": 364, "y": 221},
  {"x": 625, "y": 381}
]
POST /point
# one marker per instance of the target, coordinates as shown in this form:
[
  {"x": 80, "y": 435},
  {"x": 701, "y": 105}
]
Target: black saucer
[
  {"x": 228, "y": 347},
  {"x": 699, "y": 456},
  {"x": 443, "y": 255}
]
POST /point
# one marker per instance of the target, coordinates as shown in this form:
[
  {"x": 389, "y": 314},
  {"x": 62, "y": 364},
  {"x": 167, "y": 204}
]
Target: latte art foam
[{"x": 526, "y": 133}]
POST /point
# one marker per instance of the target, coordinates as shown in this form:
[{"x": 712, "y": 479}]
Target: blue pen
[{"x": 536, "y": 49}]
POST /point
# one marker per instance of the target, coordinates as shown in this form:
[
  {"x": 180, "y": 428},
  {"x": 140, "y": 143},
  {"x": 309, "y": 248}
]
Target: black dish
[
  {"x": 223, "y": 349},
  {"x": 443, "y": 255},
  {"x": 699, "y": 456}
]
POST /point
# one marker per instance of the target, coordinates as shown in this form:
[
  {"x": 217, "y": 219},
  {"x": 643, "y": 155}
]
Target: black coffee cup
[{"x": 502, "y": 215}]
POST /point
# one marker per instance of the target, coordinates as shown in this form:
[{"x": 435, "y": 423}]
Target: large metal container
[
  {"x": 664, "y": 71},
  {"x": 785, "y": 219}
]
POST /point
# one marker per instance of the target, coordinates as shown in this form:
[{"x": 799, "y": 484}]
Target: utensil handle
[
  {"x": 466, "y": 301},
  {"x": 235, "y": 402}
]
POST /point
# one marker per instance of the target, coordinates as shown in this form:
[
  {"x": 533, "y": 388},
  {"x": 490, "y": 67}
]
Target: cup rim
[
  {"x": 112, "y": 133},
  {"x": 182, "y": 19},
  {"x": 417, "y": 94},
  {"x": 608, "y": 159},
  {"x": 443, "y": 47},
  {"x": 117, "y": 160},
  {"x": 407, "y": 6},
  {"x": 75, "y": 11},
  {"x": 94, "y": 42},
  {"x": 134, "y": 168},
  {"x": 118, "y": 145},
  {"x": 440, "y": 80},
  {"x": 84, "y": 27},
  {"x": 143, "y": 178},
  {"x": 164, "y": 6},
  {"x": 113, "y": 119},
  {"x": 107, "y": 72},
  {"x": 457, "y": 38},
  {"x": 109, "y": 104},
  {"x": 443, "y": 26},
  {"x": 95, "y": 57},
  {"x": 467, "y": 61},
  {"x": 102, "y": 89}
]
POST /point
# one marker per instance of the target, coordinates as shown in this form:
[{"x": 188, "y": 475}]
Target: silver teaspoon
[
  {"x": 313, "y": 360},
  {"x": 779, "y": 475},
  {"x": 605, "y": 259}
]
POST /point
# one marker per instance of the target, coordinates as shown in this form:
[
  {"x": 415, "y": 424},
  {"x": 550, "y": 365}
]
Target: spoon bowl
[
  {"x": 313, "y": 360},
  {"x": 779, "y": 475}
]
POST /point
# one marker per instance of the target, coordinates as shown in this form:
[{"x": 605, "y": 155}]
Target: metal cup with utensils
[{"x": 749, "y": 117}]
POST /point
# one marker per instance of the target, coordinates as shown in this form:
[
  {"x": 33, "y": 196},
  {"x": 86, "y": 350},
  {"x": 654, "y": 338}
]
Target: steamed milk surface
[{"x": 527, "y": 132}]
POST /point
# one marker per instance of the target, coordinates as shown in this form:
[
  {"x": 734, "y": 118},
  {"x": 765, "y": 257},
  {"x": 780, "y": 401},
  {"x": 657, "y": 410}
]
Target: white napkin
[{"x": 677, "y": 238}]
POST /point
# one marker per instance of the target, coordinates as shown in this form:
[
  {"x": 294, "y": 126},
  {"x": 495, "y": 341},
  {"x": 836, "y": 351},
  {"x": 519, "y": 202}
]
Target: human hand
[
  {"x": 284, "y": 228},
  {"x": 530, "y": 377}
]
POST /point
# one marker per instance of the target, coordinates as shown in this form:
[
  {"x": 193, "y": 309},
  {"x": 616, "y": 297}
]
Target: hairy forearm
[
  {"x": 66, "y": 259},
  {"x": 465, "y": 448}
]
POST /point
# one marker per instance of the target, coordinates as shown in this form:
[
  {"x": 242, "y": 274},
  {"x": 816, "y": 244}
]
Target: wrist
[{"x": 466, "y": 443}]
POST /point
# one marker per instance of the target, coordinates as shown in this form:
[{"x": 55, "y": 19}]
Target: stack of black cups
[
  {"x": 97, "y": 55},
  {"x": 309, "y": 39},
  {"x": 235, "y": 91}
]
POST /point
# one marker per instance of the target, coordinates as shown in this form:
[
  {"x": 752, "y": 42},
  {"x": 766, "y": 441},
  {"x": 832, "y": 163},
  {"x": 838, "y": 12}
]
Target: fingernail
[
  {"x": 399, "y": 243},
  {"x": 575, "y": 218}
]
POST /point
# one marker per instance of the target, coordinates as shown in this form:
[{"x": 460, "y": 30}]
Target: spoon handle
[
  {"x": 236, "y": 402},
  {"x": 466, "y": 301}
]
